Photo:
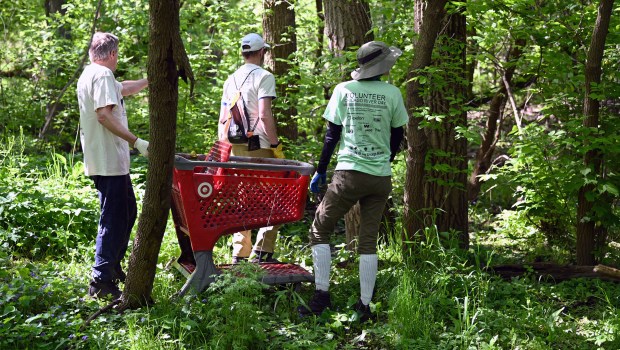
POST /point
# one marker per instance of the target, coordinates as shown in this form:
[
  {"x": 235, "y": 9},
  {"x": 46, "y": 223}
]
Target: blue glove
[{"x": 314, "y": 184}]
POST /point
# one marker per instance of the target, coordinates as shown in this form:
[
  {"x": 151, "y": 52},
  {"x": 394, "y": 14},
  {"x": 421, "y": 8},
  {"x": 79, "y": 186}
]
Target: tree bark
[
  {"x": 319, "y": 34},
  {"x": 427, "y": 23},
  {"x": 587, "y": 229},
  {"x": 166, "y": 62},
  {"x": 279, "y": 30},
  {"x": 446, "y": 185},
  {"x": 347, "y": 24}
]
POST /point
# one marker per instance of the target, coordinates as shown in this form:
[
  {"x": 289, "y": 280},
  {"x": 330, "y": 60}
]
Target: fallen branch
[
  {"x": 607, "y": 271},
  {"x": 104, "y": 309},
  {"x": 557, "y": 273}
]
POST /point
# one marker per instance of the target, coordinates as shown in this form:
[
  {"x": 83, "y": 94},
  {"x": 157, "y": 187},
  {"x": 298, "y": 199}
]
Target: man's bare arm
[
  {"x": 106, "y": 118},
  {"x": 131, "y": 87},
  {"x": 265, "y": 114}
]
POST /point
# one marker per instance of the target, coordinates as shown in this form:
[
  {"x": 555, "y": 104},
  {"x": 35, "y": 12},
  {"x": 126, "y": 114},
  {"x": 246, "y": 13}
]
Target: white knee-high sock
[
  {"x": 322, "y": 260},
  {"x": 368, "y": 276}
]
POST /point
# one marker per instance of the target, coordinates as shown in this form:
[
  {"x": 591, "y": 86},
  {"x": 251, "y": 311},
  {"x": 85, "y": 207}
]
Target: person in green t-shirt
[{"x": 367, "y": 117}]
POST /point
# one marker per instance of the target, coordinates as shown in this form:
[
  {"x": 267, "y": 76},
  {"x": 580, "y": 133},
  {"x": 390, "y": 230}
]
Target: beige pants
[{"x": 266, "y": 237}]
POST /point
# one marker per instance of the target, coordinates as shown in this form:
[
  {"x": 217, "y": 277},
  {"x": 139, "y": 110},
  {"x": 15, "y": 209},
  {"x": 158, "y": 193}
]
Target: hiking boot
[
  {"x": 238, "y": 259},
  {"x": 319, "y": 302},
  {"x": 104, "y": 290},
  {"x": 363, "y": 312},
  {"x": 263, "y": 257}
]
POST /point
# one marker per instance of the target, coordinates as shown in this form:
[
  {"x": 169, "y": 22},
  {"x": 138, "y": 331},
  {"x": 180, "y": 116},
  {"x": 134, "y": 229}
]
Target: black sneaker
[
  {"x": 363, "y": 312},
  {"x": 319, "y": 302},
  {"x": 104, "y": 290},
  {"x": 263, "y": 257}
]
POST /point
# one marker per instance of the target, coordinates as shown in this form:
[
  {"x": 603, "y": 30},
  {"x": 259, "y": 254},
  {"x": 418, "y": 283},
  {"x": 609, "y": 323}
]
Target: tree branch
[{"x": 50, "y": 115}]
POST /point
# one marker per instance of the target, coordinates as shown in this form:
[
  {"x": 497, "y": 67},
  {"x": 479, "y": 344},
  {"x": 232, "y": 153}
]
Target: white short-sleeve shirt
[
  {"x": 254, "y": 83},
  {"x": 104, "y": 153}
]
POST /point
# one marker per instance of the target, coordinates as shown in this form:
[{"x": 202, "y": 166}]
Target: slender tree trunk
[
  {"x": 167, "y": 61},
  {"x": 53, "y": 7},
  {"x": 427, "y": 23},
  {"x": 484, "y": 155},
  {"x": 279, "y": 29},
  {"x": 319, "y": 34},
  {"x": 587, "y": 230}
]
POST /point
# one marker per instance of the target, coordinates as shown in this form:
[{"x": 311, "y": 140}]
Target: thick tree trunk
[
  {"x": 167, "y": 60},
  {"x": 427, "y": 23},
  {"x": 445, "y": 189},
  {"x": 279, "y": 30},
  {"x": 587, "y": 230},
  {"x": 484, "y": 155},
  {"x": 347, "y": 24}
]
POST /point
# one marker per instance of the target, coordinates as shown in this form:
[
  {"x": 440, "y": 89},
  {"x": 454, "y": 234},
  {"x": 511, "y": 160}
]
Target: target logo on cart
[{"x": 205, "y": 190}]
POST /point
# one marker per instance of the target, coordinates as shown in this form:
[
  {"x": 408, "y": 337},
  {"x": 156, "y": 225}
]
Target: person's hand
[
  {"x": 314, "y": 184},
  {"x": 277, "y": 150},
  {"x": 142, "y": 146}
]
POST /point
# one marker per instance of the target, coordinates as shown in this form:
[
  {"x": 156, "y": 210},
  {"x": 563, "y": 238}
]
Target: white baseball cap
[{"x": 253, "y": 42}]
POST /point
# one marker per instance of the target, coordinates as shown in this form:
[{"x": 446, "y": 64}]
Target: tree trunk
[
  {"x": 347, "y": 24},
  {"x": 319, "y": 35},
  {"x": 167, "y": 61},
  {"x": 484, "y": 155},
  {"x": 427, "y": 23},
  {"x": 446, "y": 184},
  {"x": 52, "y": 7},
  {"x": 279, "y": 30},
  {"x": 587, "y": 230}
]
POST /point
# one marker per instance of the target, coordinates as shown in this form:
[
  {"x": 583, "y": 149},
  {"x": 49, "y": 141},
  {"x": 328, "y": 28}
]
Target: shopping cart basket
[{"x": 218, "y": 194}]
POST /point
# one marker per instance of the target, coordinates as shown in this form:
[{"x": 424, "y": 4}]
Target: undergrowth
[{"x": 435, "y": 297}]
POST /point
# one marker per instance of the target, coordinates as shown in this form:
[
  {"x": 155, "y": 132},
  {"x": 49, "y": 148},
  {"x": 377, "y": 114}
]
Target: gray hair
[{"x": 102, "y": 46}]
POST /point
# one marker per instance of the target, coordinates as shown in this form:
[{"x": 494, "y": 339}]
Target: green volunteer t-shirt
[{"x": 367, "y": 110}]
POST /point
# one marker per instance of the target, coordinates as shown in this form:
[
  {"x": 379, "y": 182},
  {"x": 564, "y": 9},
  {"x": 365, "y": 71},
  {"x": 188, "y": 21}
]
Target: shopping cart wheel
[{"x": 203, "y": 275}]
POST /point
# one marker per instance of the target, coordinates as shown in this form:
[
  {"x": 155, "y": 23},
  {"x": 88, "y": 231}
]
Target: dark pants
[
  {"x": 118, "y": 215},
  {"x": 347, "y": 188}
]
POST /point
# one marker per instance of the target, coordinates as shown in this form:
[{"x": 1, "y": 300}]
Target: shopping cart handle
[{"x": 235, "y": 162}]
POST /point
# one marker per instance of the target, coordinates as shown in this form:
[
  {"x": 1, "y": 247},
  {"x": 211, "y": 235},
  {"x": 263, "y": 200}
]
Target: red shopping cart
[{"x": 218, "y": 194}]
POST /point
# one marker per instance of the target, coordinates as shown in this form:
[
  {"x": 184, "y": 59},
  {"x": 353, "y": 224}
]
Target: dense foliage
[{"x": 441, "y": 297}]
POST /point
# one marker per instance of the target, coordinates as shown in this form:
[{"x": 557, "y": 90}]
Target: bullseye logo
[{"x": 205, "y": 189}]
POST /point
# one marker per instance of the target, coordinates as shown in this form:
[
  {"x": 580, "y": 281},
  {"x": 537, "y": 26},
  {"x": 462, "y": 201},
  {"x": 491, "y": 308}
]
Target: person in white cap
[
  {"x": 257, "y": 88},
  {"x": 367, "y": 117},
  {"x": 105, "y": 141}
]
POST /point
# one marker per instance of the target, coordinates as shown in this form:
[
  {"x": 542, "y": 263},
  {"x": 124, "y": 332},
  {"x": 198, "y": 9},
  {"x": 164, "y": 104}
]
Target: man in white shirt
[
  {"x": 106, "y": 138},
  {"x": 257, "y": 88}
]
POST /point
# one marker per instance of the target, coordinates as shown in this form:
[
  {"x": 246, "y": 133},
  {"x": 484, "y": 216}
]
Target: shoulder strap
[{"x": 240, "y": 95}]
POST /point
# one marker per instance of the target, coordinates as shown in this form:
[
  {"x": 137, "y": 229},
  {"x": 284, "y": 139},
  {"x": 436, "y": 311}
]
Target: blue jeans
[{"x": 118, "y": 214}]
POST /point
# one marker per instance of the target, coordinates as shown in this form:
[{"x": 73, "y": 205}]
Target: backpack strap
[{"x": 245, "y": 109}]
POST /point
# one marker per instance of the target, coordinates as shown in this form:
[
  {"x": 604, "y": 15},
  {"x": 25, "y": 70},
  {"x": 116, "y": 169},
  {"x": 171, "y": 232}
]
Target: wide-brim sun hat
[
  {"x": 253, "y": 42},
  {"x": 375, "y": 58}
]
